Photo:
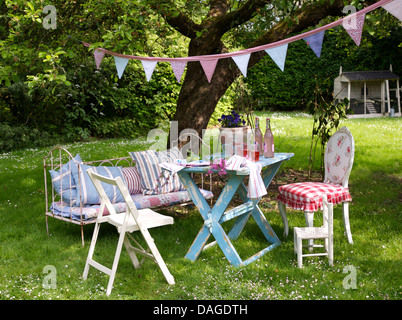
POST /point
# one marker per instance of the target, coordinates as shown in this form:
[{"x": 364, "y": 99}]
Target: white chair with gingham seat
[{"x": 307, "y": 196}]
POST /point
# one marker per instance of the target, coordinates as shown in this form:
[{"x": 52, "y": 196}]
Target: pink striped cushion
[
  {"x": 133, "y": 180},
  {"x": 307, "y": 196}
]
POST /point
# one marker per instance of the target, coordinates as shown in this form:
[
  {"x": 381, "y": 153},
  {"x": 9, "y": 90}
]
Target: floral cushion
[
  {"x": 338, "y": 155},
  {"x": 165, "y": 199},
  {"x": 140, "y": 201}
]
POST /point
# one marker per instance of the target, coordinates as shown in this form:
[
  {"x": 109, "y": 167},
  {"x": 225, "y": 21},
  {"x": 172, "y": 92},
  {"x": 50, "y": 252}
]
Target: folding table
[{"x": 214, "y": 217}]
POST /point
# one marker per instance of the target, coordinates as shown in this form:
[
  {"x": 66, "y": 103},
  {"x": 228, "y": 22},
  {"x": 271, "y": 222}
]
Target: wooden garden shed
[{"x": 369, "y": 92}]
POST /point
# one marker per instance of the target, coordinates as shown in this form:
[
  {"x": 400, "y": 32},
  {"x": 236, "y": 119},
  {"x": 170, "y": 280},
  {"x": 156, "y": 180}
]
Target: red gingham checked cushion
[
  {"x": 307, "y": 196},
  {"x": 133, "y": 180}
]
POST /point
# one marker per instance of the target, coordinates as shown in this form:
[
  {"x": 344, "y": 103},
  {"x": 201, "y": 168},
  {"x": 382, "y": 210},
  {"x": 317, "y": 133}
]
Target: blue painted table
[{"x": 214, "y": 217}]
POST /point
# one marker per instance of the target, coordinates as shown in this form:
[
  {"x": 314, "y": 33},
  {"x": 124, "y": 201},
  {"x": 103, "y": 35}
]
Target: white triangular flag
[
  {"x": 209, "y": 67},
  {"x": 394, "y": 8},
  {"x": 242, "y": 63},
  {"x": 149, "y": 67},
  {"x": 121, "y": 64},
  {"x": 178, "y": 68},
  {"x": 278, "y": 54}
]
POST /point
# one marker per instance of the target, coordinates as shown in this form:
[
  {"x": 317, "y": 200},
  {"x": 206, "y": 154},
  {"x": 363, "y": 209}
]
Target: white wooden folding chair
[
  {"x": 126, "y": 223},
  {"x": 325, "y": 232}
]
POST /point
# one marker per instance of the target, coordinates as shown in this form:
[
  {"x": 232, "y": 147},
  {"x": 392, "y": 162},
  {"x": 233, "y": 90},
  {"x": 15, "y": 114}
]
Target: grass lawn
[{"x": 373, "y": 261}]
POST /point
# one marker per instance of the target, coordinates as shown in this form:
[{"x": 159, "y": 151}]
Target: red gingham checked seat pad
[{"x": 307, "y": 196}]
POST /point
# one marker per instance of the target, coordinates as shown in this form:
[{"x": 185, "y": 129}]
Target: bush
[{"x": 13, "y": 138}]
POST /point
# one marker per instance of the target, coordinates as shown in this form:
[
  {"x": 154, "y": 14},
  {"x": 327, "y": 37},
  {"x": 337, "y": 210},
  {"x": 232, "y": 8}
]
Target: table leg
[
  {"x": 225, "y": 244},
  {"x": 213, "y": 216},
  {"x": 241, "y": 221},
  {"x": 265, "y": 227},
  {"x": 198, "y": 244}
]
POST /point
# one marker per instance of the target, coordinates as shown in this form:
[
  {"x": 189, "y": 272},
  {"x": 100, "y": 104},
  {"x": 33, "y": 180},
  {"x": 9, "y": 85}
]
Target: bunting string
[{"x": 353, "y": 24}]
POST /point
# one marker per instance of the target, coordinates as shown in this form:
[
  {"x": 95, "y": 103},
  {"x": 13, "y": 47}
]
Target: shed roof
[{"x": 370, "y": 75}]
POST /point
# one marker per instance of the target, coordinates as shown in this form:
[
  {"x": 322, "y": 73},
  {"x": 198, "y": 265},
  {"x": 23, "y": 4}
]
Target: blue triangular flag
[
  {"x": 121, "y": 64},
  {"x": 278, "y": 54},
  {"x": 315, "y": 42},
  {"x": 242, "y": 63}
]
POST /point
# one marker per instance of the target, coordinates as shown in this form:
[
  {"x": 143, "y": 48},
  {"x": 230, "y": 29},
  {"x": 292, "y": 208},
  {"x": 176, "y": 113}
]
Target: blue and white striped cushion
[
  {"x": 63, "y": 181},
  {"x": 87, "y": 191},
  {"x": 154, "y": 180}
]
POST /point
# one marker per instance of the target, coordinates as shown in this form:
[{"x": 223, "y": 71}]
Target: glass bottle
[
  {"x": 258, "y": 136},
  {"x": 268, "y": 141}
]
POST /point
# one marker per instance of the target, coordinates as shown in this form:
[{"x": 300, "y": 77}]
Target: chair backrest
[
  {"x": 105, "y": 201},
  {"x": 339, "y": 156}
]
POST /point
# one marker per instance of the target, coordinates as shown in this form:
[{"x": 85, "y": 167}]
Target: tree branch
[
  {"x": 303, "y": 18},
  {"x": 218, "y": 8},
  {"x": 175, "y": 18},
  {"x": 240, "y": 16}
]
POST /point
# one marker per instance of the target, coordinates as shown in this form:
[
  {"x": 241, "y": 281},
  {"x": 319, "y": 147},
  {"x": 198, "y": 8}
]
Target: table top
[{"x": 265, "y": 162}]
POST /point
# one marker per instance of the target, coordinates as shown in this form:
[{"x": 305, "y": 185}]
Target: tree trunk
[{"x": 198, "y": 98}]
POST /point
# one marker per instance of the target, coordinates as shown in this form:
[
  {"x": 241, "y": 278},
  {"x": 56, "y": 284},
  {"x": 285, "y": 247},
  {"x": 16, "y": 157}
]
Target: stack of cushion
[{"x": 146, "y": 178}]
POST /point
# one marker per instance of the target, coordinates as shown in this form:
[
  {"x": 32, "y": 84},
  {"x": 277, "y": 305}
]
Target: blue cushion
[
  {"x": 63, "y": 181},
  {"x": 88, "y": 193}
]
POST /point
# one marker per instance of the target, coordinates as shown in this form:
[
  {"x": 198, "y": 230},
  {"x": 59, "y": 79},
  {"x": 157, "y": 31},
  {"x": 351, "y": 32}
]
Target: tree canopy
[{"x": 48, "y": 73}]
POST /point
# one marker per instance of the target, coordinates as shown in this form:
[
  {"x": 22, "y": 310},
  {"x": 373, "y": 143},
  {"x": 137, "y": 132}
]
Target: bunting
[
  {"x": 353, "y": 24},
  {"x": 242, "y": 63},
  {"x": 209, "y": 67},
  {"x": 98, "y": 55},
  {"x": 354, "y": 27},
  {"x": 178, "y": 69},
  {"x": 121, "y": 64},
  {"x": 394, "y": 8},
  {"x": 278, "y": 54},
  {"x": 149, "y": 67},
  {"x": 315, "y": 42}
]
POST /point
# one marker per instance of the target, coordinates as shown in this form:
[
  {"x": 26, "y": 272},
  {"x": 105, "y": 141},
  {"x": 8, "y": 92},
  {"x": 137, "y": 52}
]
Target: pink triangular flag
[
  {"x": 394, "y": 8},
  {"x": 149, "y": 67},
  {"x": 242, "y": 63},
  {"x": 98, "y": 55},
  {"x": 209, "y": 67},
  {"x": 354, "y": 27},
  {"x": 178, "y": 68}
]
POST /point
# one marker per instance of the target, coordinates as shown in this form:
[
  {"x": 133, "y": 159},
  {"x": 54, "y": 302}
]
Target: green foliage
[
  {"x": 49, "y": 82},
  {"x": 293, "y": 89},
  {"x": 13, "y": 138},
  {"x": 327, "y": 117}
]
